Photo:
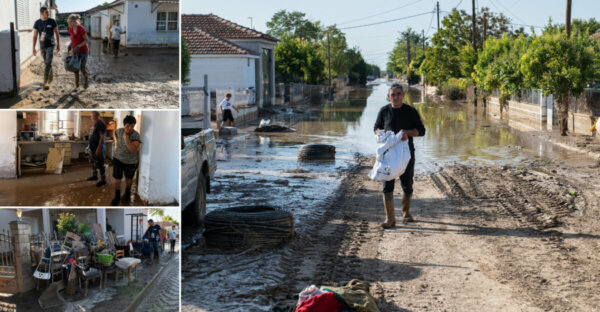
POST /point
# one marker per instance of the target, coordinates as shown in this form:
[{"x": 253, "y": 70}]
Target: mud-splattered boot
[
  {"x": 406, "y": 216},
  {"x": 127, "y": 196},
  {"x": 76, "y": 81},
  {"x": 390, "y": 217},
  {"x": 115, "y": 200},
  {"x": 94, "y": 177},
  {"x": 102, "y": 181},
  {"x": 86, "y": 79}
]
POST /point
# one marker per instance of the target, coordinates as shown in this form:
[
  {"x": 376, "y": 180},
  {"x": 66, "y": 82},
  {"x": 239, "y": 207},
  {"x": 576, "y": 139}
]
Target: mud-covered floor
[
  {"x": 67, "y": 189},
  {"x": 139, "y": 78}
]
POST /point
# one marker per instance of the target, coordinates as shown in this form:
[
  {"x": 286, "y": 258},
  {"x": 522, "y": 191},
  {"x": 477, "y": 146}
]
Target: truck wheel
[{"x": 197, "y": 210}]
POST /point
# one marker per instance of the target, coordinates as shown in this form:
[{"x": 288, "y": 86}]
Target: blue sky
[{"x": 376, "y": 41}]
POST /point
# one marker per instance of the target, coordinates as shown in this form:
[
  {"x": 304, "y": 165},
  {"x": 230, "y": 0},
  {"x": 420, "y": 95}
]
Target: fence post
[
  {"x": 206, "y": 110},
  {"x": 20, "y": 232}
]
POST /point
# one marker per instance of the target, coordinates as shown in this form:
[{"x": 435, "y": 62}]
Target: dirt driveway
[
  {"x": 139, "y": 78},
  {"x": 486, "y": 239}
]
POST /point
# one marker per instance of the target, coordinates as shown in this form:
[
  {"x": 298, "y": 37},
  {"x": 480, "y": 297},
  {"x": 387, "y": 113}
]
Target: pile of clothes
[{"x": 352, "y": 297}]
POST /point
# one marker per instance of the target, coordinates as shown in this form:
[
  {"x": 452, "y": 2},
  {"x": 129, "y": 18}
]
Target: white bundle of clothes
[{"x": 392, "y": 156}]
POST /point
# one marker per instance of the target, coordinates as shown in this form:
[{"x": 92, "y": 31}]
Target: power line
[
  {"x": 387, "y": 21},
  {"x": 459, "y": 2},
  {"x": 507, "y": 10},
  {"x": 381, "y": 13},
  {"x": 430, "y": 22}
]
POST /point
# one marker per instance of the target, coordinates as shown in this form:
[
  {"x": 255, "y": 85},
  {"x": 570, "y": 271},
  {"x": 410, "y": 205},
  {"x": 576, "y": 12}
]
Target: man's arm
[
  {"x": 419, "y": 129},
  {"x": 35, "y": 36},
  {"x": 132, "y": 146},
  {"x": 57, "y": 38},
  {"x": 100, "y": 143},
  {"x": 378, "y": 122}
]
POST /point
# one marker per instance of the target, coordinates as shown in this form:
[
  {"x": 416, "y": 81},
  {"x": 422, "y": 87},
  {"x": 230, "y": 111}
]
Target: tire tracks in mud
[{"x": 533, "y": 205}]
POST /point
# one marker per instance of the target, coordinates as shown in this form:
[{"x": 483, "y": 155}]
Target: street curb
[
  {"x": 575, "y": 149},
  {"x": 133, "y": 305}
]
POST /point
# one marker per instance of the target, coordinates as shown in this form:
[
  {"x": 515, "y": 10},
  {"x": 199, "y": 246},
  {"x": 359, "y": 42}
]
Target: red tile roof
[
  {"x": 201, "y": 42},
  {"x": 221, "y": 27}
]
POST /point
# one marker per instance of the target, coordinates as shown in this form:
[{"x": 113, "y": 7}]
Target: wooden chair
[
  {"x": 91, "y": 274},
  {"x": 110, "y": 269}
]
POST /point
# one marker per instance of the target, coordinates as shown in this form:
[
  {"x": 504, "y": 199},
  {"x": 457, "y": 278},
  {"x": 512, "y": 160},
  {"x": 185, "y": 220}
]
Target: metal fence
[
  {"x": 7, "y": 260},
  {"x": 192, "y": 99},
  {"x": 587, "y": 103}
]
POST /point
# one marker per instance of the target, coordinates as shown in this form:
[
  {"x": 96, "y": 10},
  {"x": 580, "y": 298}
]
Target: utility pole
[
  {"x": 423, "y": 35},
  {"x": 568, "y": 22},
  {"x": 438, "y": 15},
  {"x": 407, "y": 50},
  {"x": 484, "y": 29},
  {"x": 474, "y": 26},
  {"x": 250, "y": 18},
  {"x": 329, "y": 65}
]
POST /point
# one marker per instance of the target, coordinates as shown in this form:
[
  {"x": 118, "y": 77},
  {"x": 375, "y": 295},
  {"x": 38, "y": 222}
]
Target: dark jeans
[
  {"x": 47, "y": 55},
  {"x": 406, "y": 179},
  {"x": 155, "y": 249},
  {"x": 97, "y": 163},
  {"x": 173, "y": 245},
  {"x": 116, "y": 44}
]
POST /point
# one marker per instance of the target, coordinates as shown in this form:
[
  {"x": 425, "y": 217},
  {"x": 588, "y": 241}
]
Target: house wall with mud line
[
  {"x": 8, "y": 144},
  {"x": 141, "y": 24},
  {"x": 224, "y": 71}
]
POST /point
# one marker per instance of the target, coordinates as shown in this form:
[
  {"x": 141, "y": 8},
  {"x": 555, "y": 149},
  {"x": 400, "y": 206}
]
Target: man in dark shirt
[
  {"x": 153, "y": 237},
  {"x": 395, "y": 117},
  {"x": 46, "y": 29},
  {"x": 97, "y": 147}
]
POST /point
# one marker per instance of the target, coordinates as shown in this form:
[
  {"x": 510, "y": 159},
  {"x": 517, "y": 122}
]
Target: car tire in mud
[
  {"x": 194, "y": 213},
  {"x": 246, "y": 226},
  {"x": 316, "y": 152}
]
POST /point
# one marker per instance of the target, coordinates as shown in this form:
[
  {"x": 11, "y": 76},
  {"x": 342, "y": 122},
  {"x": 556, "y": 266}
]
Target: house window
[
  {"x": 55, "y": 122},
  {"x": 166, "y": 21},
  {"x": 26, "y": 14}
]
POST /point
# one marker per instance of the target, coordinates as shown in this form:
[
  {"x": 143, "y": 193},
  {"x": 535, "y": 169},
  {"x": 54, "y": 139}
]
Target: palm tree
[{"x": 159, "y": 212}]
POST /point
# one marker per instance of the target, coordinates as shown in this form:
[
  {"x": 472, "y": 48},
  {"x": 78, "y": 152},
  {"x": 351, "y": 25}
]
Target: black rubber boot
[
  {"x": 115, "y": 201},
  {"x": 102, "y": 182},
  {"x": 127, "y": 196},
  {"x": 94, "y": 177}
]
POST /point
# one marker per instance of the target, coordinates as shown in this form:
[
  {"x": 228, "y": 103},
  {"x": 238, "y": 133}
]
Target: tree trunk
[{"x": 563, "y": 113}]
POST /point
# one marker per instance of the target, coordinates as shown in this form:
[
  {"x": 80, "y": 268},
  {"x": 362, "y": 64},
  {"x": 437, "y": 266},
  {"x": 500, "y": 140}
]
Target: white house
[
  {"x": 23, "y": 14},
  {"x": 147, "y": 23},
  {"x": 233, "y": 56},
  {"x": 42, "y": 220}
]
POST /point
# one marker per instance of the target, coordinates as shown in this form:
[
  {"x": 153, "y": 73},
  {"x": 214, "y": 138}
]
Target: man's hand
[
  {"x": 98, "y": 152},
  {"x": 404, "y": 136},
  {"x": 34, "y": 51}
]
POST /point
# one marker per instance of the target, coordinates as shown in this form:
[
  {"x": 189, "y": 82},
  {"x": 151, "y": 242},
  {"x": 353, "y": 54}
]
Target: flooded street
[
  {"x": 487, "y": 197},
  {"x": 138, "y": 78}
]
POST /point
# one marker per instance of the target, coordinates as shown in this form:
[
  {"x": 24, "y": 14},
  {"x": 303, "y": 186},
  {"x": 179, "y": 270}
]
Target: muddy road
[
  {"x": 505, "y": 221},
  {"x": 140, "y": 78}
]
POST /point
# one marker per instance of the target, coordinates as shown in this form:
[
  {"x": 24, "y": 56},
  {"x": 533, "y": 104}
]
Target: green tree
[
  {"x": 298, "y": 59},
  {"x": 185, "y": 62},
  {"x": 170, "y": 219},
  {"x": 342, "y": 60},
  {"x": 67, "y": 222},
  {"x": 562, "y": 67},
  {"x": 293, "y": 23},
  {"x": 157, "y": 212},
  {"x": 397, "y": 59}
]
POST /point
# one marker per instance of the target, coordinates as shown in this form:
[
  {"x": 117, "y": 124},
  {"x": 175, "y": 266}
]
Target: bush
[
  {"x": 453, "y": 89},
  {"x": 67, "y": 222}
]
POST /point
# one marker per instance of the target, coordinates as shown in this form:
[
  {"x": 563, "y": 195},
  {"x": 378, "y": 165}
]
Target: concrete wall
[
  {"x": 99, "y": 29},
  {"x": 223, "y": 71},
  {"x": 257, "y": 46},
  {"x": 141, "y": 25},
  {"x": 7, "y": 15},
  {"x": 8, "y": 144},
  {"x": 158, "y": 181},
  {"x": 580, "y": 123},
  {"x": 6, "y": 72},
  {"x": 6, "y": 215},
  {"x": 8, "y": 285},
  {"x": 127, "y": 222}
]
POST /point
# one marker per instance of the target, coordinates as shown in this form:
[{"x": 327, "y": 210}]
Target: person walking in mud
[
  {"x": 173, "y": 238},
  {"x": 79, "y": 46},
  {"x": 115, "y": 36},
  {"x": 97, "y": 148},
  {"x": 125, "y": 158},
  {"x": 226, "y": 107},
  {"x": 398, "y": 116},
  {"x": 46, "y": 29},
  {"x": 152, "y": 237}
]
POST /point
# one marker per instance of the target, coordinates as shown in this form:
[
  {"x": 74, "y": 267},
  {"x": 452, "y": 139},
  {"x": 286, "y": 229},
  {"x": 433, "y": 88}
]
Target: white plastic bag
[
  {"x": 393, "y": 156},
  {"x": 308, "y": 293}
]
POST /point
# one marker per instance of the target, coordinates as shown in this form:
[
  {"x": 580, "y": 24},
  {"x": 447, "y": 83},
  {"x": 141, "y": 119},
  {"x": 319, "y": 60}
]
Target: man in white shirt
[
  {"x": 226, "y": 106},
  {"x": 173, "y": 238},
  {"x": 115, "y": 36}
]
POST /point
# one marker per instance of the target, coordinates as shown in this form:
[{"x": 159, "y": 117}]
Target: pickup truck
[{"x": 198, "y": 166}]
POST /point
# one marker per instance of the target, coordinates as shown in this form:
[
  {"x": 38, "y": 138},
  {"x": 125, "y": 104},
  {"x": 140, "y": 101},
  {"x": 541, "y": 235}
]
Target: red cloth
[
  {"x": 77, "y": 39},
  {"x": 325, "y": 302}
]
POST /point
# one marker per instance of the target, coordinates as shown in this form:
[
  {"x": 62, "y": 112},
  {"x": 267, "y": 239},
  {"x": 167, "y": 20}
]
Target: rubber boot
[
  {"x": 406, "y": 216},
  {"x": 102, "y": 181},
  {"x": 86, "y": 79},
  {"x": 127, "y": 196},
  {"x": 388, "y": 204},
  {"x": 76, "y": 80},
  {"x": 115, "y": 201},
  {"x": 94, "y": 177}
]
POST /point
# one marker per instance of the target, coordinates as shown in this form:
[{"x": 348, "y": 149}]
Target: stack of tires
[{"x": 246, "y": 226}]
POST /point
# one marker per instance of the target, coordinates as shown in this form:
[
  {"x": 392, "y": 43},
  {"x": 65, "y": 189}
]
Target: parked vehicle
[{"x": 198, "y": 166}]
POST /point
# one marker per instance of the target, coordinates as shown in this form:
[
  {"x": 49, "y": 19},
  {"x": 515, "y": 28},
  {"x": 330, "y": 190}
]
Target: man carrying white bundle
[{"x": 398, "y": 117}]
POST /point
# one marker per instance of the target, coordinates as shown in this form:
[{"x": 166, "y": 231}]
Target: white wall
[
  {"x": 223, "y": 71},
  {"x": 141, "y": 25},
  {"x": 7, "y": 15},
  {"x": 8, "y": 144},
  {"x": 6, "y": 73},
  {"x": 158, "y": 181},
  {"x": 127, "y": 222},
  {"x": 6, "y": 216}
]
